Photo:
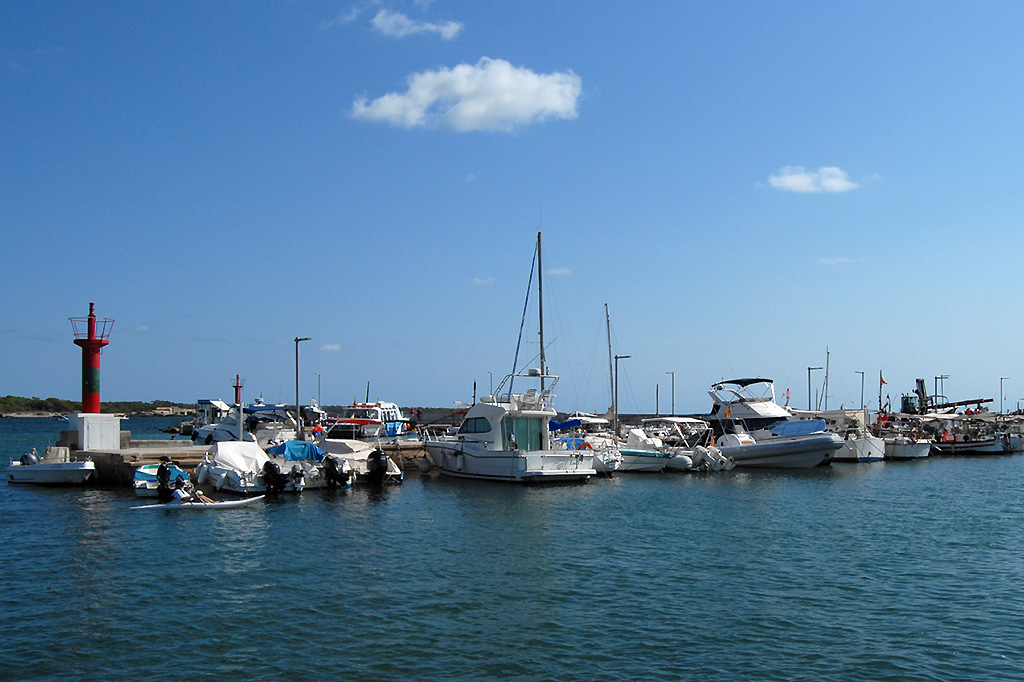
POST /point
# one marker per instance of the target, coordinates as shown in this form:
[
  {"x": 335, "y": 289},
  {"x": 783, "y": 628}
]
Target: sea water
[{"x": 881, "y": 571}]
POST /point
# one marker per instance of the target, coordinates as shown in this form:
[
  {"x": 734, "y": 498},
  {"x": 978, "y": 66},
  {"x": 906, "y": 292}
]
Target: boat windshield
[{"x": 358, "y": 413}]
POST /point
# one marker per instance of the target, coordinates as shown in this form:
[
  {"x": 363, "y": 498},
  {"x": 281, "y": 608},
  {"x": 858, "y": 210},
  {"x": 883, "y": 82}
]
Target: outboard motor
[
  {"x": 334, "y": 472},
  {"x": 163, "y": 482},
  {"x": 376, "y": 467},
  {"x": 274, "y": 480}
]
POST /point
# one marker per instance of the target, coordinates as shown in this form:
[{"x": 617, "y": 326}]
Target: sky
[{"x": 753, "y": 189}]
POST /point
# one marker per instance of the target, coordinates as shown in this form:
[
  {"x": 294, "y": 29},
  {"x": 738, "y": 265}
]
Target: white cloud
[
  {"x": 344, "y": 18},
  {"x": 332, "y": 347},
  {"x": 559, "y": 271},
  {"x": 825, "y": 179},
  {"x": 471, "y": 177},
  {"x": 483, "y": 282},
  {"x": 842, "y": 260},
  {"x": 398, "y": 25},
  {"x": 142, "y": 328},
  {"x": 489, "y": 95}
]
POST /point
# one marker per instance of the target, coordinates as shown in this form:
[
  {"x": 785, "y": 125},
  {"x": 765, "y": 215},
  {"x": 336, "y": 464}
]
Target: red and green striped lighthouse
[{"x": 91, "y": 339}]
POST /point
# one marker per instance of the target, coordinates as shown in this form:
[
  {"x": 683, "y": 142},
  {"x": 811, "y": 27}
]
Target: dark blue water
[{"x": 903, "y": 571}]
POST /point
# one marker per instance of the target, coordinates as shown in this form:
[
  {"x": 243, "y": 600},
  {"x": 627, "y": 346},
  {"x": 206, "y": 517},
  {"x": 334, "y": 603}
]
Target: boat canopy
[
  {"x": 239, "y": 455},
  {"x": 562, "y": 426},
  {"x": 747, "y": 382},
  {"x": 298, "y": 450},
  {"x": 799, "y": 427}
]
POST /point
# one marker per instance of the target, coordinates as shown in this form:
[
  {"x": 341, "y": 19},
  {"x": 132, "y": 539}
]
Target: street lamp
[
  {"x": 615, "y": 423},
  {"x": 673, "y": 392},
  {"x": 809, "y": 369},
  {"x": 298, "y": 407},
  {"x": 861, "y": 387},
  {"x": 318, "y": 403},
  {"x": 1001, "y": 379}
]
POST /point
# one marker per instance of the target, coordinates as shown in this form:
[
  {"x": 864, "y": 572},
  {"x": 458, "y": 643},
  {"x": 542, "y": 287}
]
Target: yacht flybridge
[{"x": 505, "y": 437}]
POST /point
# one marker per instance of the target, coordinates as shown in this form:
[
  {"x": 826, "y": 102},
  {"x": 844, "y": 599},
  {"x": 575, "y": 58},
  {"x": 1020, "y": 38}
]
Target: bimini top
[{"x": 746, "y": 382}]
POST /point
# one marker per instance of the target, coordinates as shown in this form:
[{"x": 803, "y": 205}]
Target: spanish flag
[{"x": 881, "y": 381}]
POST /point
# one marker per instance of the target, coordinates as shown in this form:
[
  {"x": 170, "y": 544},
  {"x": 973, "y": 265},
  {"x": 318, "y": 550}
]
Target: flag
[
  {"x": 881, "y": 381},
  {"x": 728, "y": 411}
]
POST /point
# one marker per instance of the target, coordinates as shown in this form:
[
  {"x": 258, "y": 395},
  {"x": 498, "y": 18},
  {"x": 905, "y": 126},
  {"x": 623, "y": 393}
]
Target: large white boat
[
  {"x": 756, "y": 431},
  {"x": 266, "y": 425},
  {"x": 505, "y": 437},
  {"x": 55, "y": 467}
]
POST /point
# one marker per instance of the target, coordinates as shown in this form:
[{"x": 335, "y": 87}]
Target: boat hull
[
  {"x": 988, "y": 446},
  {"x": 203, "y": 506},
  {"x": 642, "y": 460},
  {"x": 906, "y": 449},
  {"x": 516, "y": 466},
  {"x": 803, "y": 452},
  {"x": 861, "y": 449}
]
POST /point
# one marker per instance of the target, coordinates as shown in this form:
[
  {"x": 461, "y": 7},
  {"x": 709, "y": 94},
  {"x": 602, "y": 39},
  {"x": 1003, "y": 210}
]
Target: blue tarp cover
[
  {"x": 800, "y": 427},
  {"x": 297, "y": 450},
  {"x": 562, "y": 426}
]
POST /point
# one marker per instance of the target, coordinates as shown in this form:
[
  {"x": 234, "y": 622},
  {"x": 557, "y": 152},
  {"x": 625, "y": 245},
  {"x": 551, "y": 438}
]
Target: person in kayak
[{"x": 184, "y": 492}]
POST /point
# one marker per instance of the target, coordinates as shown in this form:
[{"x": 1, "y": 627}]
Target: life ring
[
  {"x": 584, "y": 446},
  {"x": 914, "y": 435}
]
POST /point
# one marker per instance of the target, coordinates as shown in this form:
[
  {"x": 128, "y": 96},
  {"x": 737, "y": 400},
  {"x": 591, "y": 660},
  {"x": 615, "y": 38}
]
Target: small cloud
[
  {"x": 483, "y": 282},
  {"x": 470, "y": 178},
  {"x": 825, "y": 179},
  {"x": 489, "y": 95},
  {"x": 398, "y": 25},
  {"x": 331, "y": 348},
  {"x": 558, "y": 272},
  {"x": 142, "y": 328},
  {"x": 344, "y": 18},
  {"x": 842, "y": 260}
]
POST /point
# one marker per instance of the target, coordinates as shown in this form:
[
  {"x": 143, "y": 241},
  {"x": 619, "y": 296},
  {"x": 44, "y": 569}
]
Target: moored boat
[{"x": 54, "y": 468}]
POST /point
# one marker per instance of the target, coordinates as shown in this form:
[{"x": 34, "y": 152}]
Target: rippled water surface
[{"x": 902, "y": 571}]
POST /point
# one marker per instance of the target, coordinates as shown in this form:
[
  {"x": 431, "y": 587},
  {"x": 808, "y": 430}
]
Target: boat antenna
[{"x": 522, "y": 322}]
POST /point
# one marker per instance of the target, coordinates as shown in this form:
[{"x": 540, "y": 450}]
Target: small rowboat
[{"x": 201, "y": 506}]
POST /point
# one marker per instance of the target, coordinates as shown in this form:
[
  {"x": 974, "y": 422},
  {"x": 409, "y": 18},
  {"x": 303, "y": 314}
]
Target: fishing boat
[
  {"x": 198, "y": 505},
  {"x": 55, "y": 467},
  {"x": 859, "y": 443},
  {"x": 506, "y": 436}
]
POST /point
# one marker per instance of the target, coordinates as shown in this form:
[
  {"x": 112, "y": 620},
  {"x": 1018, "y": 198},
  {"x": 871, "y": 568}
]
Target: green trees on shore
[{"x": 12, "y": 404}]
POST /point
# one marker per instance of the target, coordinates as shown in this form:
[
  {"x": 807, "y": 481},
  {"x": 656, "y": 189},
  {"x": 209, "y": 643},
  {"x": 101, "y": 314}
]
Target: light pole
[
  {"x": 809, "y": 369},
  {"x": 861, "y": 387},
  {"x": 615, "y": 423},
  {"x": 491, "y": 374},
  {"x": 318, "y": 403},
  {"x": 673, "y": 392},
  {"x": 1001, "y": 380},
  {"x": 298, "y": 407}
]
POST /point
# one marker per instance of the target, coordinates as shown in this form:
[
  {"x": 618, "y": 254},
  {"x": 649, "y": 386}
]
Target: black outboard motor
[
  {"x": 273, "y": 478},
  {"x": 376, "y": 467},
  {"x": 334, "y": 474},
  {"x": 163, "y": 483}
]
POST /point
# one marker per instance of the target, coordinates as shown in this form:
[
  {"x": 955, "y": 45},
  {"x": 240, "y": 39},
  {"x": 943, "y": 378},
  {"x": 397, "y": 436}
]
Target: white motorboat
[
  {"x": 589, "y": 432},
  {"x": 755, "y": 431},
  {"x": 371, "y": 422},
  {"x": 903, "y": 446},
  {"x": 859, "y": 444},
  {"x": 266, "y": 425},
  {"x": 368, "y": 463},
  {"x": 54, "y": 468},
  {"x": 505, "y": 437}
]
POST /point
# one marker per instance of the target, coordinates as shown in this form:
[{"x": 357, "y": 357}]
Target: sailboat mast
[
  {"x": 611, "y": 375},
  {"x": 540, "y": 309}
]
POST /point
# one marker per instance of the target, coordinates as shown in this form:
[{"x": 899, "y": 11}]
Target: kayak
[{"x": 200, "y": 506}]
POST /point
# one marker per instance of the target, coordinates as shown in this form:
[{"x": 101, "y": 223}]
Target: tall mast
[
  {"x": 611, "y": 375},
  {"x": 540, "y": 309}
]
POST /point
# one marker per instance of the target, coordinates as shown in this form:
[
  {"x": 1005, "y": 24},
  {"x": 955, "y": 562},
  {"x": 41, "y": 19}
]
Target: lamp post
[
  {"x": 1001, "y": 380},
  {"x": 673, "y": 392},
  {"x": 318, "y": 389},
  {"x": 298, "y": 407},
  {"x": 615, "y": 423},
  {"x": 809, "y": 369},
  {"x": 861, "y": 387}
]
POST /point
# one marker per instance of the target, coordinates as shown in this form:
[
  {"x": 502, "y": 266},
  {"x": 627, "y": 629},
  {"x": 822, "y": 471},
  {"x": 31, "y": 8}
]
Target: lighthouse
[{"x": 95, "y": 431}]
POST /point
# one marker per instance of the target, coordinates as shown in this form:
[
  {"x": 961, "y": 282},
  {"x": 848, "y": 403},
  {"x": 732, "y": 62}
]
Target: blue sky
[{"x": 745, "y": 184}]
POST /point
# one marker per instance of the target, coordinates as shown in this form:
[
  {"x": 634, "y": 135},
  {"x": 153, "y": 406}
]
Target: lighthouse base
[{"x": 98, "y": 431}]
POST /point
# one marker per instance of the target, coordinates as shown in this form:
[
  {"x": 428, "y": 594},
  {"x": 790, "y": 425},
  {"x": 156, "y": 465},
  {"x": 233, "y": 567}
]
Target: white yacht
[
  {"x": 756, "y": 431},
  {"x": 505, "y": 437},
  {"x": 266, "y": 425}
]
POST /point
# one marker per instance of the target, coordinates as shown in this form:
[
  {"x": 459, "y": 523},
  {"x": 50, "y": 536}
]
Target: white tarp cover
[{"x": 239, "y": 455}]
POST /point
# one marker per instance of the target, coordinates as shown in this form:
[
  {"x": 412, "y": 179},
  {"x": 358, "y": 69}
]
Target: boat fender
[
  {"x": 460, "y": 461},
  {"x": 425, "y": 465}
]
